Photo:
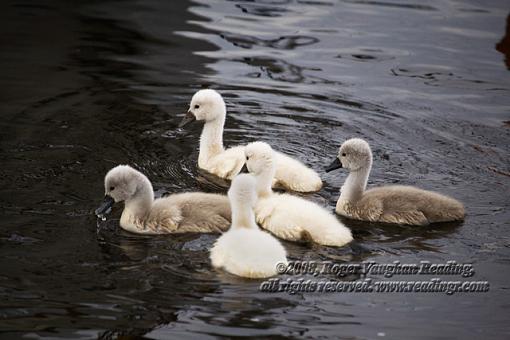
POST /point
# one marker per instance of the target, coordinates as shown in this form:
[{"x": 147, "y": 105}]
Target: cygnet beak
[
  {"x": 188, "y": 119},
  {"x": 336, "y": 164},
  {"x": 244, "y": 169},
  {"x": 106, "y": 206}
]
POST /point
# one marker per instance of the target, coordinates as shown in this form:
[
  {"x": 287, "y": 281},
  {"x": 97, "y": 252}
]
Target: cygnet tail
[
  {"x": 453, "y": 211},
  {"x": 334, "y": 236},
  {"x": 444, "y": 209},
  {"x": 293, "y": 175}
]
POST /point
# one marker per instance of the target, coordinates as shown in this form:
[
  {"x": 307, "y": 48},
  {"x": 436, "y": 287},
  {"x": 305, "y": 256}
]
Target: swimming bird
[
  {"x": 391, "y": 204},
  {"x": 177, "y": 213},
  {"x": 245, "y": 250},
  {"x": 286, "y": 216},
  {"x": 208, "y": 106}
]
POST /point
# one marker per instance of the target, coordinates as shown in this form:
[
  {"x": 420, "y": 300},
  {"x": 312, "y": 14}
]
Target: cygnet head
[
  {"x": 242, "y": 190},
  {"x": 206, "y": 105},
  {"x": 122, "y": 183},
  {"x": 354, "y": 154},
  {"x": 259, "y": 157}
]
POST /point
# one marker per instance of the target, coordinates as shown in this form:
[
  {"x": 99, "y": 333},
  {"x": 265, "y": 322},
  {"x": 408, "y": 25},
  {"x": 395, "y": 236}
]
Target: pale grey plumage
[
  {"x": 390, "y": 204},
  {"x": 178, "y": 213}
]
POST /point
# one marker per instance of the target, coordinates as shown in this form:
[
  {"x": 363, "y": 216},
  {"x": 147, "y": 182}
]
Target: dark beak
[
  {"x": 336, "y": 164},
  {"x": 188, "y": 119},
  {"x": 244, "y": 169},
  {"x": 105, "y": 207}
]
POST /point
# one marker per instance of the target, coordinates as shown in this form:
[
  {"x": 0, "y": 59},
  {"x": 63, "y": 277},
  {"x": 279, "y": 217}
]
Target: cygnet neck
[
  {"x": 265, "y": 180},
  {"x": 211, "y": 139},
  {"x": 139, "y": 205},
  {"x": 242, "y": 215},
  {"x": 356, "y": 183}
]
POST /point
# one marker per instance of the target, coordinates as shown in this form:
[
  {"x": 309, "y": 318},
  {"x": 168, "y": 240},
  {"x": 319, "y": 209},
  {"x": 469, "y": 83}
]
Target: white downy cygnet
[
  {"x": 208, "y": 106},
  {"x": 391, "y": 204},
  {"x": 178, "y": 213},
  {"x": 245, "y": 250},
  {"x": 290, "y": 217}
]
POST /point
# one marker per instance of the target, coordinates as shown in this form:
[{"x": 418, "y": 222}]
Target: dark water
[{"x": 88, "y": 85}]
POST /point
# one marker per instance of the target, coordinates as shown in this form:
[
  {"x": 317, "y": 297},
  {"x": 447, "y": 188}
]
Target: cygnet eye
[
  {"x": 344, "y": 154},
  {"x": 197, "y": 106},
  {"x": 112, "y": 188}
]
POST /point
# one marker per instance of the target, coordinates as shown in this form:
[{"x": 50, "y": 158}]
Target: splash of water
[{"x": 102, "y": 216}]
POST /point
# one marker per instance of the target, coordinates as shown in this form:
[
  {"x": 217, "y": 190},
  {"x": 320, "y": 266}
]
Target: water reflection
[
  {"x": 284, "y": 43},
  {"x": 263, "y": 11},
  {"x": 393, "y": 4},
  {"x": 504, "y": 45}
]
